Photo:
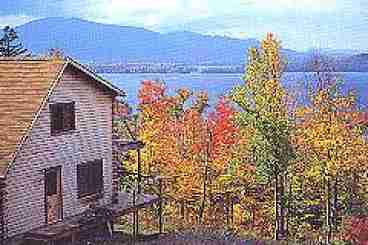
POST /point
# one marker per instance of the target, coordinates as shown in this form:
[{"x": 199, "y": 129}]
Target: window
[
  {"x": 62, "y": 117},
  {"x": 51, "y": 182},
  {"x": 90, "y": 178}
]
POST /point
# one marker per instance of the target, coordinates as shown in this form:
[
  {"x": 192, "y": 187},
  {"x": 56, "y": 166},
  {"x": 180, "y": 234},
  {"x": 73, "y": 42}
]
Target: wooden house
[{"x": 56, "y": 140}]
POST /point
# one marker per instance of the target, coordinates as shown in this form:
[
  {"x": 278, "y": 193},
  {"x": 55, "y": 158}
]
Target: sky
[{"x": 299, "y": 24}]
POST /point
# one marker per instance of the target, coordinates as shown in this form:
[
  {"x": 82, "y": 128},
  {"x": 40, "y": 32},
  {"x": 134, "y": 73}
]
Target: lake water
[{"x": 220, "y": 84}]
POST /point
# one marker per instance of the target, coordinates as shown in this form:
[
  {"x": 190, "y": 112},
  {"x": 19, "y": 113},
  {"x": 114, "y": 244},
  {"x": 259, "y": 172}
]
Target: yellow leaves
[
  {"x": 325, "y": 129},
  {"x": 271, "y": 48},
  {"x": 303, "y": 111}
]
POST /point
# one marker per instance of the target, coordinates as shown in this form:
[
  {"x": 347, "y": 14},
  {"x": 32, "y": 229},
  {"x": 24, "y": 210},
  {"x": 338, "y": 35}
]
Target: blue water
[{"x": 219, "y": 84}]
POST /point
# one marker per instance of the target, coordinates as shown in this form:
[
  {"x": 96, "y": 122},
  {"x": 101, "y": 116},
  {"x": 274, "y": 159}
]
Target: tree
[
  {"x": 9, "y": 43},
  {"x": 264, "y": 106},
  {"x": 332, "y": 145}
]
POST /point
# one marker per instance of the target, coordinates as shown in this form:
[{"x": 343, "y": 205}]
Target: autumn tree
[
  {"x": 330, "y": 141},
  {"x": 262, "y": 101}
]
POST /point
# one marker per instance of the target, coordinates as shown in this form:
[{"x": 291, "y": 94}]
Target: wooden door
[{"x": 53, "y": 195}]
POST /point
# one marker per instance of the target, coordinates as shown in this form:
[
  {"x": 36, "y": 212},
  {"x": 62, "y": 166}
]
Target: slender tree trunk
[
  {"x": 279, "y": 202},
  {"x": 282, "y": 205},
  {"x": 328, "y": 210},
  {"x": 204, "y": 195},
  {"x": 205, "y": 176},
  {"x": 289, "y": 207},
  {"x": 277, "y": 211},
  {"x": 334, "y": 213}
]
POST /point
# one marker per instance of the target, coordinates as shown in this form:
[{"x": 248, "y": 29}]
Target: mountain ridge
[
  {"x": 92, "y": 42},
  {"x": 114, "y": 43}
]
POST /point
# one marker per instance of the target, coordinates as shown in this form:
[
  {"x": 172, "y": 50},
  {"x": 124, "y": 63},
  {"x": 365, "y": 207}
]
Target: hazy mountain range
[{"x": 92, "y": 42}]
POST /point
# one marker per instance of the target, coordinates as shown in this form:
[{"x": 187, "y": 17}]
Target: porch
[{"x": 99, "y": 218}]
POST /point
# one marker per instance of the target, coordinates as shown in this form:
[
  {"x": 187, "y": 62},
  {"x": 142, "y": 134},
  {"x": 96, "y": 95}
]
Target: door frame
[{"x": 60, "y": 189}]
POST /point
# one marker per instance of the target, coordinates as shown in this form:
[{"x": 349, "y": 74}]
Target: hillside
[
  {"x": 97, "y": 43},
  {"x": 101, "y": 43},
  {"x": 93, "y": 42}
]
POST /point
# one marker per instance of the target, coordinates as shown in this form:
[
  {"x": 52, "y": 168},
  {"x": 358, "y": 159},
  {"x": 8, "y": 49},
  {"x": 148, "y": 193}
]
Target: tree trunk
[
  {"x": 282, "y": 206},
  {"x": 204, "y": 195},
  {"x": 328, "y": 211},
  {"x": 182, "y": 209},
  {"x": 279, "y": 202},
  {"x": 289, "y": 207},
  {"x": 334, "y": 209},
  {"x": 277, "y": 210}
]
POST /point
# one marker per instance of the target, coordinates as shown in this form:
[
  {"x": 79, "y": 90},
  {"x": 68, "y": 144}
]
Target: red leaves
[
  {"x": 224, "y": 131},
  {"x": 150, "y": 91},
  {"x": 358, "y": 231}
]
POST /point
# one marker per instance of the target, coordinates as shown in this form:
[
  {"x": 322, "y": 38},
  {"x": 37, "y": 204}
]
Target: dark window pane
[
  {"x": 98, "y": 175},
  {"x": 56, "y": 118},
  {"x": 90, "y": 178},
  {"x": 51, "y": 180},
  {"x": 62, "y": 117},
  {"x": 68, "y": 116}
]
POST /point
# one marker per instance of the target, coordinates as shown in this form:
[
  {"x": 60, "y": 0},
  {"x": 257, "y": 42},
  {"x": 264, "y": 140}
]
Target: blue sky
[{"x": 300, "y": 24}]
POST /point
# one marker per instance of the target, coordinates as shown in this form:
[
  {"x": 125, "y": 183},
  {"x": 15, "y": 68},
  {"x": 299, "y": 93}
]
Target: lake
[{"x": 219, "y": 84}]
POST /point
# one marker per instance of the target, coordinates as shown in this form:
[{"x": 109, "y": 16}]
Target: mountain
[
  {"x": 97, "y": 43},
  {"x": 354, "y": 63},
  {"x": 338, "y": 53},
  {"x": 102, "y": 43}
]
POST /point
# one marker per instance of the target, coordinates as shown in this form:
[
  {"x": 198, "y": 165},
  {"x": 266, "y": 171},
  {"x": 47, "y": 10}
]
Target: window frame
[
  {"x": 60, "y": 113},
  {"x": 86, "y": 181}
]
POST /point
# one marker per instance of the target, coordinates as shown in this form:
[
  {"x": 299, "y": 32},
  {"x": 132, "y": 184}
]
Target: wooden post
[
  {"x": 137, "y": 221},
  {"x": 232, "y": 210},
  {"x": 73, "y": 238},
  {"x": 182, "y": 209},
  {"x": 328, "y": 211},
  {"x": 160, "y": 207},
  {"x": 139, "y": 170},
  {"x": 134, "y": 218},
  {"x": 227, "y": 209},
  {"x": 136, "y": 210}
]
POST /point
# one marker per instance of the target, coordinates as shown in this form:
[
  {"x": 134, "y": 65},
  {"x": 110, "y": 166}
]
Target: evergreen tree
[{"x": 9, "y": 43}]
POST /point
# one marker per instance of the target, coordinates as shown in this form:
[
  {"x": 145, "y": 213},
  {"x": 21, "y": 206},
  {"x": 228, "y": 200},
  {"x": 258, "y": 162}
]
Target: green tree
[{"x": 264, "y": 106}]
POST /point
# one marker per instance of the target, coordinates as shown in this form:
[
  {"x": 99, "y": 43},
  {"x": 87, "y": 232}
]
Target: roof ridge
[{"x": 34, "y": 58}]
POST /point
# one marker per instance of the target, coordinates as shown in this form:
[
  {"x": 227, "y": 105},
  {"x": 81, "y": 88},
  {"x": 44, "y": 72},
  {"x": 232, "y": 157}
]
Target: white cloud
[
  {"x": 130, "y": 7},
  {"x": 287, "y": 5},
  {"x": 14, "y": 20},
  {"x": 158, "y": 14},
  {"x": 148, "y": 13}
]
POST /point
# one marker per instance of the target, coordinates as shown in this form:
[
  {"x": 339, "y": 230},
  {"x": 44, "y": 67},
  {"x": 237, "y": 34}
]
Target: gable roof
[{"x": 25, "y": 85}]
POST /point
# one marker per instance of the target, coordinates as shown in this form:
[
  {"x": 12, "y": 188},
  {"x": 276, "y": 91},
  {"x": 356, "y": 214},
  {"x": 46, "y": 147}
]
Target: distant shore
[{"x": 202, "y": 69}]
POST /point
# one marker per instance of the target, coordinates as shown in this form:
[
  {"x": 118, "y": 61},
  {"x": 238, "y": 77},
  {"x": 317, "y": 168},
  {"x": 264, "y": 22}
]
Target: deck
[
  {"x": 71, "y": 226},
  {"x": 126, "y": 205}
]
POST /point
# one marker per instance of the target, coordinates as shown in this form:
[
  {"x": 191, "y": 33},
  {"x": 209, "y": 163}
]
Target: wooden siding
[{"x": 92, "y": 139}]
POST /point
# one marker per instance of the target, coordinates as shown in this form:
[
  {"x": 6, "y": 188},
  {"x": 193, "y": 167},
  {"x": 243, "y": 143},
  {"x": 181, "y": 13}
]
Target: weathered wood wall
[
  {"x": 91, "y": 140},
  {"x": 2, "y": 210}
]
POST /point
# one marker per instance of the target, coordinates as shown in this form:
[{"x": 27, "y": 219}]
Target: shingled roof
[{"x": 25, "y": 85}]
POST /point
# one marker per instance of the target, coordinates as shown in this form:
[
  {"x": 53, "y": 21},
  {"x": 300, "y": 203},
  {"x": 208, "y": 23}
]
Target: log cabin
[{"x": 56, "y": 146}]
